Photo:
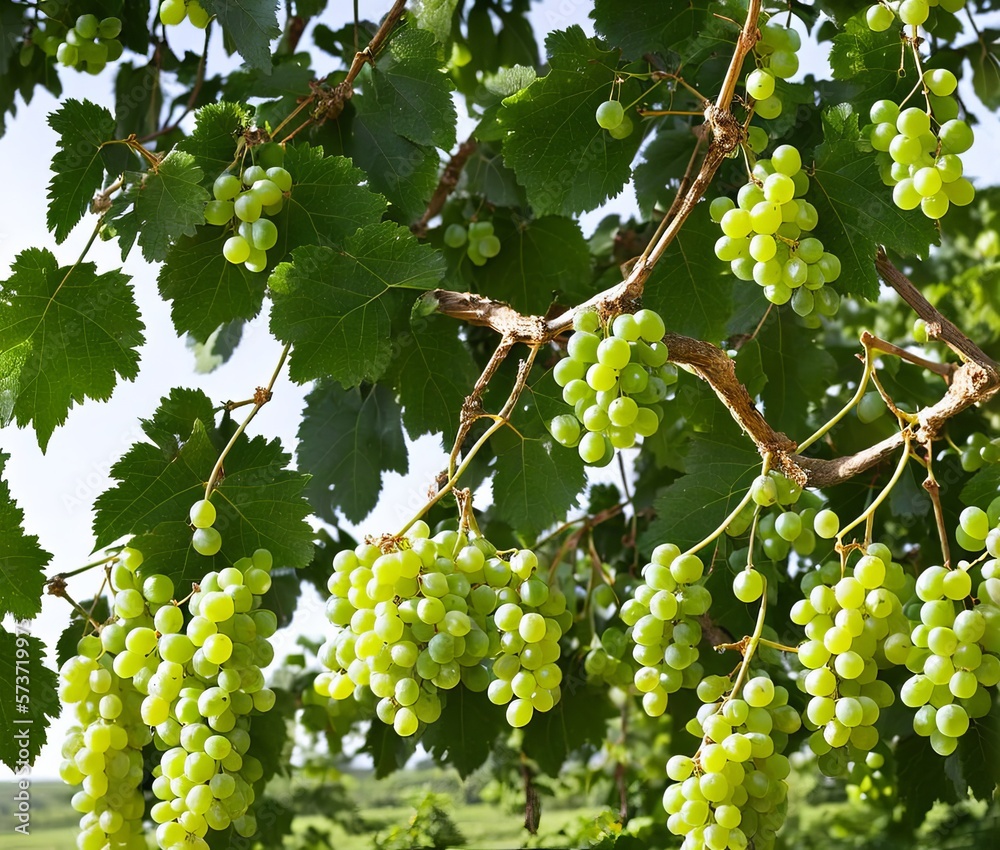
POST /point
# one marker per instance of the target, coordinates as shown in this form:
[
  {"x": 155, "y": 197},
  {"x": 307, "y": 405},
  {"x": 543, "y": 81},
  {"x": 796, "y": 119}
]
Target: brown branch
[
  {"x": 446, "y": 185},
  {"x": 195, "y": 91},
  {"x": 972, "y": 382},
  {"x": 877, "y": 345}
]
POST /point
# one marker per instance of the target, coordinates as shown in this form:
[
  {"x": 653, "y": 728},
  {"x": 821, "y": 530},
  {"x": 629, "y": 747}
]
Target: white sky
[{"x": 57, "y": 490}]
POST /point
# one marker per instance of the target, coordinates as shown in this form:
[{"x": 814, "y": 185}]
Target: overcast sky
[{"x": 57, "y": 490}]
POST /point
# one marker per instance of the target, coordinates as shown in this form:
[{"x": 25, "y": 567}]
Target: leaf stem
[
  {"x": 261, "y": 397},
  {"x": 85, "y": 567}
]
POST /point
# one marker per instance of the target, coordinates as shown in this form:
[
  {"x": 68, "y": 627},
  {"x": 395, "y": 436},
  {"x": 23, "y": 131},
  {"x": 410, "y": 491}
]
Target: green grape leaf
[
  {"x": 983, "y": 487},
  {"x": 409, "y": 84},
  {"x": 22, "y": 560},
  {"x": 387, "y": 750},
  {"x": 212, "y": 142},
  {"x": 66, "y": 334},
  {"x": 433, "y": 371},
  {"x": 12, "y": 32},
  {"x": 435, "y": 15},
  {"x": 29, "y": 697},
  {"x": 985, "y": 61},
  {"x": 259, "y": 500},
  {"x": 348, "y": 440},
  {"x": 566, "y": 162},
  {"x": 169, "y": 203},
  {"x": 328, "y": 201},
  {"x": 83, "y": 127},
  {"x": 578, "y": 719},
  {"x": 204, "y": 288},
  {"x": 286, "y": 83},
  {"x": 856, "y": 211},
  {"x": 539, "y": 260},
  {"x": 649, "y": 27},
  {"x": 926, "y": 780},
  {"x": 537, "y": 480},
  {"x": 251, "y": 24},
  {"x": 797, "y": 369},
  {"x": 977, "y": 751},
  {"x": 867, "y": 62},
  {"x": 464, "y": 735},
  {"x": 337, "y": 306},
  {"x": 690, "y": 287},
  {"x": 720, "y": 465},
  {"x": 406, "y": 173}
]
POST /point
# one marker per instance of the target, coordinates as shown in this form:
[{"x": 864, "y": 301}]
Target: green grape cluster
[
  {"x": 953, "y": 651},
  {"x": 480, "y": 242},
  {"x": 663, "y": 615},
  {"x": 776, "y": 55},
  {"x": 243, "y": 203},
  {"x": 194, "y": 681},
  {"x": 766, "y": 237},
  {"x": 847, "y": 616},
  {"x": 606, "y": 660},
  {"x": 733, "y": 793},
  {"x": 103, "y": 749},
  {"x": 919, "y": 150},
  {"x": 86, "y": 45},
  {"x": 615, "y": 377},
  {"x": 979, "y": 450},
  {"x": 881, "y": 16},
  {"x": 173, "y": 12},
  {"x": 419, "y": 615},
  {"x": 611, "y": 116}
]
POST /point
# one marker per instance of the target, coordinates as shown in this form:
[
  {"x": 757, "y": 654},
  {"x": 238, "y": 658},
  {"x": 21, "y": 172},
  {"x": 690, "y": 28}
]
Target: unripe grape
[{"x": 610, "y": 114}]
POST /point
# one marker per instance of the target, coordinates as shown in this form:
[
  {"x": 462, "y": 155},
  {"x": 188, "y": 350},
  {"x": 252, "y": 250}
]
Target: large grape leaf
[
  {"x": 578, "y": 720},
  {"x": 22, "y": 560},
  {"x": 386, "y": 749},
  {"x": 539, "y": 260},
  {"x": 720, "y": 465},
  {"x": 66, "y": 334},
  {"x": 866, "y": 62},
  {"x": 537, "y": 481},
  {"x": 212, "y": 142},
  {"x": 433, "y": 372},
  {"x": 251, "y": 24},
  {"x": 348, "y": 439},
  {"x": 204, "y": 288},
  {"x": 983, "y": 487},
  {"x": 798, "y": 371},
  {"x": 856, "y": 210},
  {"x": 689, "y": 287},
  {"x": 977, "y": 754},
  {"x": 651, "y": 26},
  {"x": 259, "y": 500},
  {"x": 984, "y": 56},
  {"x": 435, "y": 15},
  {"x": 83, "y": 127},
  {"x": 337, "y": 306},
  {"x": 12, "y": 31},
  {"x": 566, "y": 162},
  {"x": 169, "y": 203},
  {"x": 405, "y": 172},
  {"x": 464, "y": 735},
  {"x": 409, "y": 84},
  {"x": 28, "y": 698},
  {"x": 328, "y": 201},
  {"x": 925, "y": 779}
]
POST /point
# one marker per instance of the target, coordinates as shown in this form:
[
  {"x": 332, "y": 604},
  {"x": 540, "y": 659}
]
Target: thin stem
[
  {"x": 450, "y": 483},
  {"x": 933, "y": 489},
  {"x": 195, "y": 91},
  {"x": 775, "y": 645},
  {"x": 885, "y": 491},
  {"x": 858, "y": 395},
  {"x": 945, "y": 370},
  {"x": 262, "y": 397},
  {"x": 86, "y": 567}
]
